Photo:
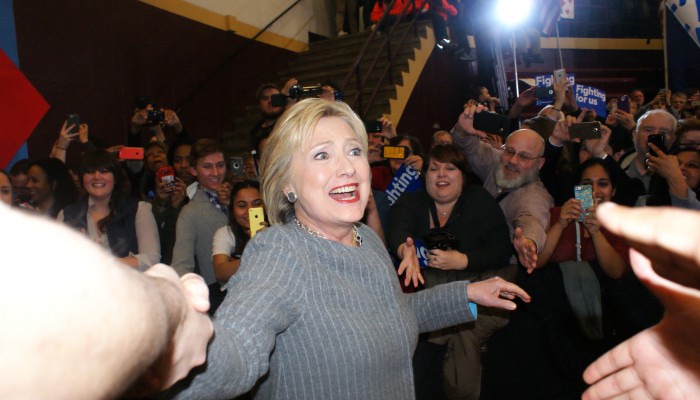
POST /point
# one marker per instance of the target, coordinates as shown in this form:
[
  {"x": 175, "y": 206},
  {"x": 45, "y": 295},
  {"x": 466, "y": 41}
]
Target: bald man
[{"x": 511, "y": 175}]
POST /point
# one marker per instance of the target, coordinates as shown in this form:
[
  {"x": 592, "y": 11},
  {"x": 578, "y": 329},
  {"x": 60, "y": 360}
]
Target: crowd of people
[{"x": 370, "y": 240}]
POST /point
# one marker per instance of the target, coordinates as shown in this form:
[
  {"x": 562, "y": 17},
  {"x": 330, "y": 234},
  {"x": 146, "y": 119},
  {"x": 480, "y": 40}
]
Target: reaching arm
[{"x": 91, "y": 337}]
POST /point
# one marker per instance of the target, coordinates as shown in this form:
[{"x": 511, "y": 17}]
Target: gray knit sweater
[
  {"x": 196, "y": 225},
  {"x": 322, "y": 320}
]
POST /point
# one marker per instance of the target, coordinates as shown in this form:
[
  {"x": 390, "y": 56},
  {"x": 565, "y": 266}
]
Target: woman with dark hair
[
  {"x": 108, "y": 216},
  {"x": 463, "y": 234},
  {"x": 230, "y": 240},
  {"x": 50, "y": 186}
]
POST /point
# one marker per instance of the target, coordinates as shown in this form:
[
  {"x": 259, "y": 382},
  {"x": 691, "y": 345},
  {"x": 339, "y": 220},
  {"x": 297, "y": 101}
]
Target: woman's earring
[{"x": 291, "y": 197}]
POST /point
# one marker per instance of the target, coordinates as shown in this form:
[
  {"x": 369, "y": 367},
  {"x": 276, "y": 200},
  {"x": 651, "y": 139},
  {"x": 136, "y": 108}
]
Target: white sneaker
[{"x": 342, "y": 33}]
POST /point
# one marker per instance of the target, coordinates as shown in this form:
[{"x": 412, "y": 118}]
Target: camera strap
[{"x": 502, "y": 196}]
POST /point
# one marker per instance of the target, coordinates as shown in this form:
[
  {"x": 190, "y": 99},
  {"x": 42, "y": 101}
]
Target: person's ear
[{"x": 193, "y": 171}]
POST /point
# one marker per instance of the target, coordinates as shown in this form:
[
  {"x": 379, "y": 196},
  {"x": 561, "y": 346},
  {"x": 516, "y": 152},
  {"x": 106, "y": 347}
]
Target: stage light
[{"x": 513, "y": 12}]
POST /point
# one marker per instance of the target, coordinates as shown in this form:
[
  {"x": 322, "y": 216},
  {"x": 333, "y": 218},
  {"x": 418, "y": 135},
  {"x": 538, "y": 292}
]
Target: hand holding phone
[
  {"x": 256, "y": 216},
  {"x": 659, "y": 140},
  {"x": 559, "y": 76},
  {"x": 73, "y": 119}
]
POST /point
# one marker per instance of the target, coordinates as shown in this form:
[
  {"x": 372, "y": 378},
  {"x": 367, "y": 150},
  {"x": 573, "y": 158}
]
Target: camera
[
  {"x": 440, "y": 239},
  {"x": 155, "y": 117},
  {"x": 298, "y": 92}
]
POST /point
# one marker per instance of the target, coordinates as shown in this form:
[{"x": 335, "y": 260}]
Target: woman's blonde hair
[{"x": 290, "y": 136}]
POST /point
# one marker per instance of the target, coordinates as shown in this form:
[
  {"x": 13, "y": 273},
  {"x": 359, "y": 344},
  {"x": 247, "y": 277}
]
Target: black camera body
[
  {"x": 297, "y": 92},
  {"x": 440, "y": 239},
  {"x": 154, "y": 117}
]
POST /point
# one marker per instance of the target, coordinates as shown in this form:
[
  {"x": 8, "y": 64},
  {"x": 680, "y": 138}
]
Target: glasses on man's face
[
  {"x": 510, "y": 152},
  {"x": 649, "y": 130},
  {"x": 689, "y": 145}
]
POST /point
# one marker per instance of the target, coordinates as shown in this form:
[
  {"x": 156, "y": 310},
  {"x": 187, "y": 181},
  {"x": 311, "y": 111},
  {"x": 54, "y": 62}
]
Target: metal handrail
[
  {"x": 361, "y": 82},
  {"x": 235, "y": 55}
]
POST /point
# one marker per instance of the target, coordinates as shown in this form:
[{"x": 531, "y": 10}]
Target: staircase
[{"x": 330, "y": 60}]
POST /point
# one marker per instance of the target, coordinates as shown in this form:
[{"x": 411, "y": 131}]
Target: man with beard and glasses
[{"x": 511, "y": 175}]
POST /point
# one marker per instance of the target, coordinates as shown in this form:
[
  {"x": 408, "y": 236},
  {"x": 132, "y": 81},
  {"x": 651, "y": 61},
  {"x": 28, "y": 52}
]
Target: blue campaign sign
[
  {"x": 406, "y": 179},
  {"x": 422, "y": 252},
  {"x": 591, "y": 98},
  {"x": 546, "y": 80}
]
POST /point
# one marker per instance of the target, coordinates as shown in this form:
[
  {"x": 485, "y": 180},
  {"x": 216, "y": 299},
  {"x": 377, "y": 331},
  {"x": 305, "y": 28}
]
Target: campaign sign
[
  {"x": 547, "y": 80},
  {"x": 406, "y": 179},
  {"x": 591, "y": 98},
  {"x": 422, "y": 252}
]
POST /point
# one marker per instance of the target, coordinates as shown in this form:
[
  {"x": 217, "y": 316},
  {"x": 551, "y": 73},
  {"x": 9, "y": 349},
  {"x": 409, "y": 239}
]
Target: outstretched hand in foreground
[{"x": 662, "y": 362}]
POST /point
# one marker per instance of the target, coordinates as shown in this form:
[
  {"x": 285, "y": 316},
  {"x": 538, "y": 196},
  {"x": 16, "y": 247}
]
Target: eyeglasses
[
  {"x": 689, "y": 145},
  {"x": 523, "y": 156},
  {"x": 651, "y": 130}
]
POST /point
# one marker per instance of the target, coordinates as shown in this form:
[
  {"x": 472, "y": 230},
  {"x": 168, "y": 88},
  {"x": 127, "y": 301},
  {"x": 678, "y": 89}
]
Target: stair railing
[
  {"x": 234, "y": 56},
  {"x": 361, "y": 79}
]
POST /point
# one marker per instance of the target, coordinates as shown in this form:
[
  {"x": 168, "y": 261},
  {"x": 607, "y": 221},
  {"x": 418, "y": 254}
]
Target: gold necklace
[{"x": 356, "y": 238}]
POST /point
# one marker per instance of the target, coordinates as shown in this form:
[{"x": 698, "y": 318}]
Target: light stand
[{"x": 514, "y": 47}]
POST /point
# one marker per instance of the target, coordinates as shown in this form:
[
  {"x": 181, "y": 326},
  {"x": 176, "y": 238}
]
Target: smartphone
[
  {"x": 659, "y": 141},
  {"x": 236, "y": 166},
  {"x": 559, "y": 75},
  {"x": 544, "y": 92},
  {"x": 396, "y": 152},
  {"x": 374, "y": 126},
  {"x": 73, "y": 119},
  {"x": 256, "y": 215},
  {"x": 492, "y": 123},
  {"x": 584, "y": 194},
  {"x": 165, "y": 176},
  {"x": 623, "y": 103},
  {"x": 131, "y": 153},
  {"x": 585, "y": 130}
]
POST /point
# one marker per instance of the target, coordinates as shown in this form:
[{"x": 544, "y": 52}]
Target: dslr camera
[
  {"x": 440, "y": 239},
  {"x": 154, "y": 117}
]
